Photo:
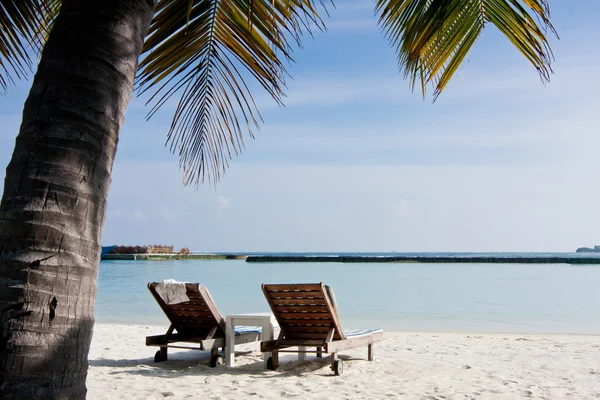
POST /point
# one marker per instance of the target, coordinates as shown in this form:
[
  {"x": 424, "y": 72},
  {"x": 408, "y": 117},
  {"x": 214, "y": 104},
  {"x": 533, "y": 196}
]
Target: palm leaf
[
  {"x": 207, "y": 50},
  {"x": 433, "y": 37},
  {"x": 24, "y": 26}
]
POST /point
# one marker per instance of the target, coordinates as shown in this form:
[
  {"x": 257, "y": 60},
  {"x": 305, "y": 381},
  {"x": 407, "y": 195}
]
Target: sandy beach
[{"x": 407, "y": 365}]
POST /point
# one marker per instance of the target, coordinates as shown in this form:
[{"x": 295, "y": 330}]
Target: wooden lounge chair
[
  {"x": 196, "y": 321},
  {"x": 307, "y": 316}
]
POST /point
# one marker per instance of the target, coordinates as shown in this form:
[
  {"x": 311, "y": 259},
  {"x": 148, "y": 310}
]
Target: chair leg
[
  {"x": 301, "y": 353},
  {"x": 215, "y": 358},
  {"x": 275, "y": 357},
  {"x": 336, "y": 364},
  {"x": 370, "y": 352},
  {"x": 334, "y": 358},
  {"x": 161, "y": 355},
  {"x": 319, "y": 352}
]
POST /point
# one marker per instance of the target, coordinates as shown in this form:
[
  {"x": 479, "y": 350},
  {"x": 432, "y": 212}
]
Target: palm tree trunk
[{"x": 54, "y": 200}]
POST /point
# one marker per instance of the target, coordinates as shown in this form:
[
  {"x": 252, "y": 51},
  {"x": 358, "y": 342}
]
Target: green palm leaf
[
  {"x": 24, "y": 26},
  {"x": 207, "y": 50},
  {"x": 433, "y": 37}
]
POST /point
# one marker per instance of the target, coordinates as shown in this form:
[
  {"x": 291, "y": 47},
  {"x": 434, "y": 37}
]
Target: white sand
[{"x": 407, "y": 366}]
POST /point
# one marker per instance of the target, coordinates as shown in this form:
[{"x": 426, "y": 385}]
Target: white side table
[{"x": 265, "y": 320}]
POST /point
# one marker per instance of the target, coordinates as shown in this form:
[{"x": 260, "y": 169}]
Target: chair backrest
[
  {"x": 194, "y": 318},
  {"x": 304, "y": 311}
]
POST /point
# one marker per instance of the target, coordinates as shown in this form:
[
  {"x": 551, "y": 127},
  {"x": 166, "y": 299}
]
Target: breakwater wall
[
  {"x": 174, "y": 256},
  {"x": 423, "y": 259}
]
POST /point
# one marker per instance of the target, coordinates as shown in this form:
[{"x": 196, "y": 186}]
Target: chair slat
[
  {"x": 313, "y": 321},
  {"x": 312, "y": 315},
  {"x": 308, "y": 328},
  {"x": 303, "y": 308},
  {"x": 199, "y": 314},
  {"x": 300, "y": 286},
  {"x": 296, "y": 295},
  {"x": 310, "y": 335},
  {"x": 300, "y": 302},
  {"x": 302, "y": 305},
  {"x": 188, "y": 306},
  {"x": 196, "y": 317},
  {"x": 192, "y": 319}
]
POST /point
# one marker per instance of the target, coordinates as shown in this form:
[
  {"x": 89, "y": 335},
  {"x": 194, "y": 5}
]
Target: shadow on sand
[{"x": 195, "y": 364}]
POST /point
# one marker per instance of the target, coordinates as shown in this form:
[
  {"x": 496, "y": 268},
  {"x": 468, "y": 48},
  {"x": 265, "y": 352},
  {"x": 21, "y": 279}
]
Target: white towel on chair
[{"x": 172, "y": 292}]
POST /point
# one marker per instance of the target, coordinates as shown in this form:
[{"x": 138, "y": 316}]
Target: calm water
[{"x": 538, "y": 298}]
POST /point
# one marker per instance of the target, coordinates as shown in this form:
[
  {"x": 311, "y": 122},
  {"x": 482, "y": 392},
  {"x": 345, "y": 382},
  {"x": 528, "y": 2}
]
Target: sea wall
[
  {"x": 173, "y": 256},
  {"x": 423, "y": 259}
]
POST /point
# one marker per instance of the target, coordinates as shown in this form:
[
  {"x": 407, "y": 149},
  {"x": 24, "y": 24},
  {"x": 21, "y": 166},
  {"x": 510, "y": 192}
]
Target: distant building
[{"x": 160, "y": 249}]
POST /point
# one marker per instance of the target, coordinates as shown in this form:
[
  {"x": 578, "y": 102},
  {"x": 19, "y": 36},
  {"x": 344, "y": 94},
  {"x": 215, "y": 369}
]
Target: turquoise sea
[{"x": 524, "y": 298}]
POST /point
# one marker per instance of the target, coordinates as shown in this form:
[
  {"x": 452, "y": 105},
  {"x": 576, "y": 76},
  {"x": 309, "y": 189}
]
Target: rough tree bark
[{"x": 54, "y": 201}]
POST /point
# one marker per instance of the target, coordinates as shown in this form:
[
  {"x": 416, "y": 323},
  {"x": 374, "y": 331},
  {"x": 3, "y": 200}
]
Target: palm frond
[
  {"x": 433, "y": 37},
  {"x": 206, "y": 50},
  {"x": 24, "y": 26}
]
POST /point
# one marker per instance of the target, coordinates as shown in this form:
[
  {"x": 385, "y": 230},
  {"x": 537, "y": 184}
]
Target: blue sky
[{"x": 356, "y": 162}]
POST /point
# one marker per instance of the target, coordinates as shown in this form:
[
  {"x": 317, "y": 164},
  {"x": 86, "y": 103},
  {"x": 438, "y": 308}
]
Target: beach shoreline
[
  {"x": 432, "y": 365},
  {"x": 162, "y": 327}
]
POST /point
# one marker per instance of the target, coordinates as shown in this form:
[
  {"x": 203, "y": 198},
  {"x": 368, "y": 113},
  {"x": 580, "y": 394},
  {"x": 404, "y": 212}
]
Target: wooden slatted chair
[
  {"x": 196, "y": 321},
  {"x": 307, "y": 315}
]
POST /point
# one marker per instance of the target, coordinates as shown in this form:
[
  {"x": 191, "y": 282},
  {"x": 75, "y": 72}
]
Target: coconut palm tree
[{"x": 203, "y": 52}]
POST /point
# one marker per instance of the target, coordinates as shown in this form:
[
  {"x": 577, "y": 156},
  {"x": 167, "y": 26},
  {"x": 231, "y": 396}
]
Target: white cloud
[
  {"x": 223, "y": 202},
  {"x": 140, "y": 216}
]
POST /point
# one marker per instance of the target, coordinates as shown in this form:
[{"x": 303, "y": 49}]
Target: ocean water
[{"x": 523, "y": 298}]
